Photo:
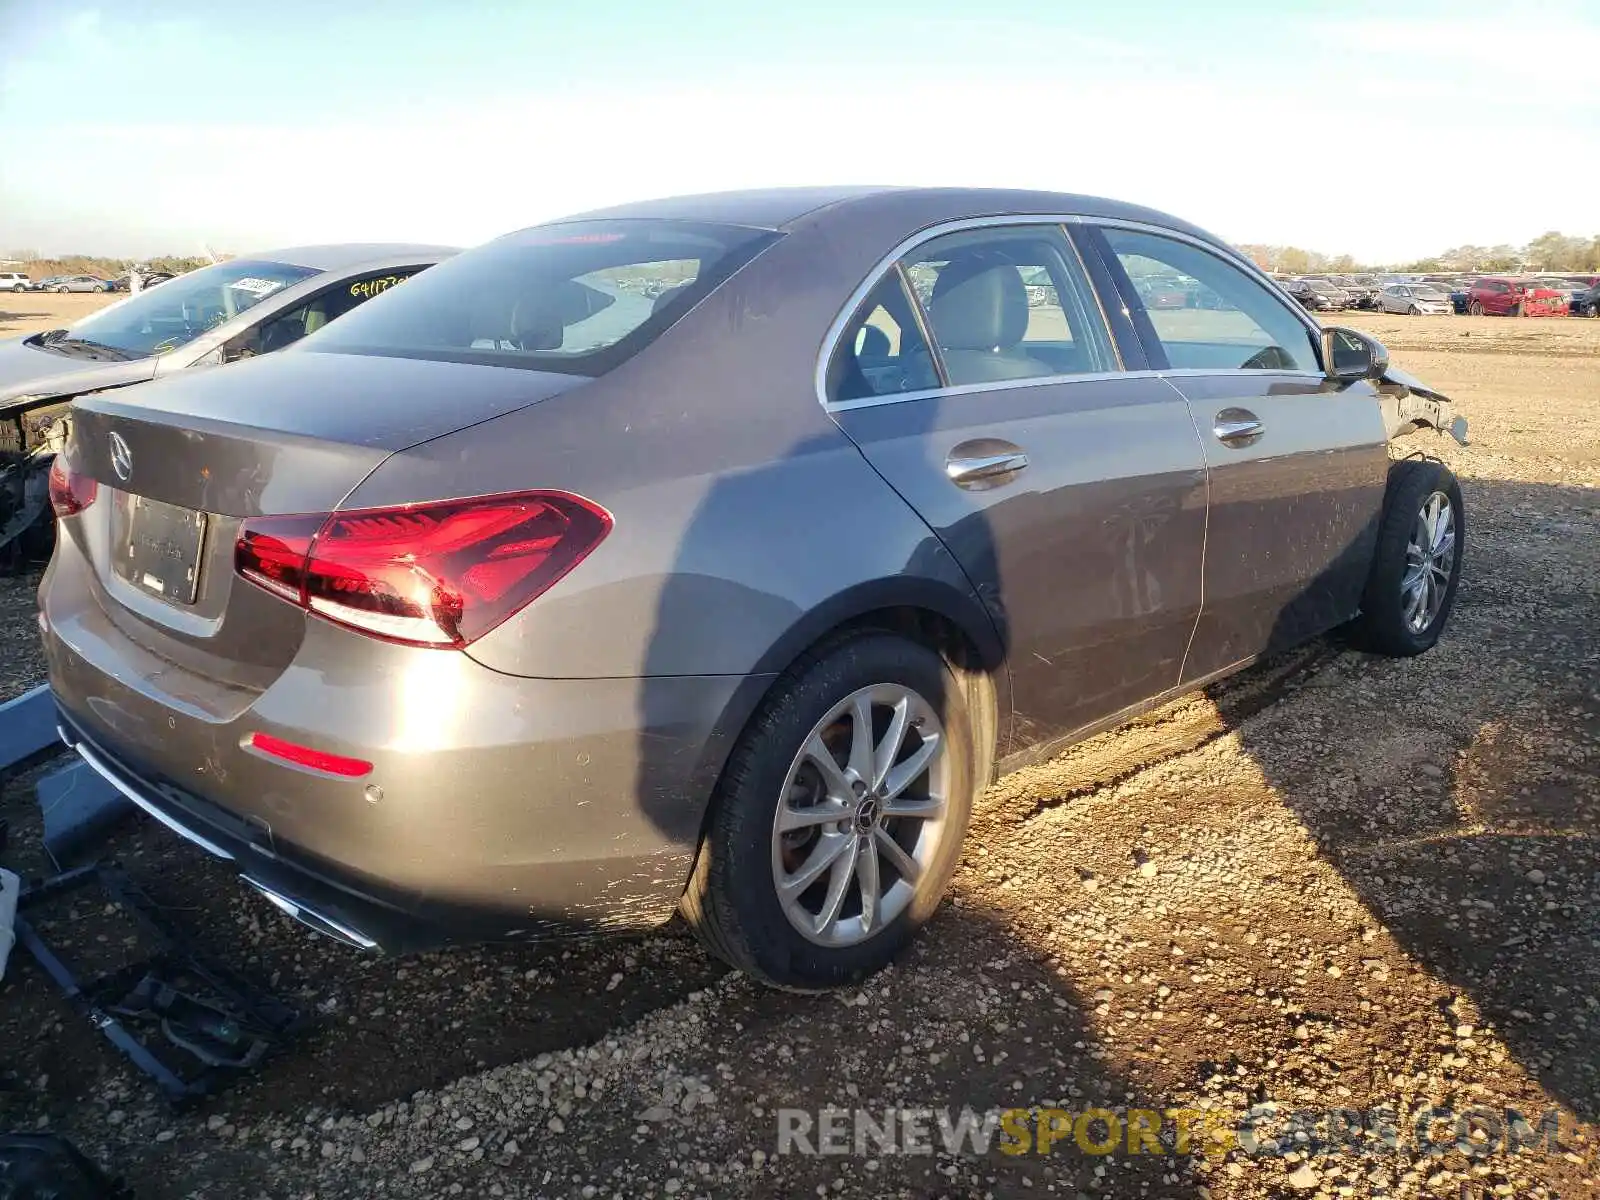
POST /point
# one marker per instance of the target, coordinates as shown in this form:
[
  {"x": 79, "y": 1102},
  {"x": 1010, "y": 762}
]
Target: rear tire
[
  {"x": 63, "y": 290},
  {"x": 1416, "y": 566},
  {"x": 1516, "y": 310},
  {"x": 756, "y": 836}
]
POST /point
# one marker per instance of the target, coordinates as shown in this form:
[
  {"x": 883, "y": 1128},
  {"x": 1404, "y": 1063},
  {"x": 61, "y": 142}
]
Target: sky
[{"x": 1387, "y": 129}]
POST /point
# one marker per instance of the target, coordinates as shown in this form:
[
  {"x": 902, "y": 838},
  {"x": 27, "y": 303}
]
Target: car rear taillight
[
  {"x": 440, "y": 574},
  {"x": 70, "y": 491}
]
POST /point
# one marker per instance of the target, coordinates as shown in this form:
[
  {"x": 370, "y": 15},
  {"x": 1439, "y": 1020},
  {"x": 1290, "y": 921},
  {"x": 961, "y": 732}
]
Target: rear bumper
[{"x": 497, "y": 806}]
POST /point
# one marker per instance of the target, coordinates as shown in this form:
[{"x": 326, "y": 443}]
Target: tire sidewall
[
  {"x": 1412, "y": 482},
  {"x": 741, "y": 834}
]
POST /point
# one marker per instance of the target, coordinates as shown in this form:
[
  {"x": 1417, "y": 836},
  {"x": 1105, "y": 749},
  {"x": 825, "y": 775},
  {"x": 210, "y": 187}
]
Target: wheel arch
[{"x": 928, "y": 611}]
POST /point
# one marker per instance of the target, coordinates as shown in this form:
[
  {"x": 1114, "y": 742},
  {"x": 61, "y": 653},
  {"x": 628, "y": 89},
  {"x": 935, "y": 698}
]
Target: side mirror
[{"x": 1351, "y": 354}]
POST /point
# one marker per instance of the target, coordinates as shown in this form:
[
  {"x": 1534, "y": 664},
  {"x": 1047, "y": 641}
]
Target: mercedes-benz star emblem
[{"x": 121, "y": 457}]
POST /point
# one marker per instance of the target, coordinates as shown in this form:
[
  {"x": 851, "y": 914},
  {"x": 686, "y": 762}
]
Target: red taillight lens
[
  {"x": 429, "y": 574},
  {"x": 305, "y": 756},
  {"x": 70, "y": 491}
]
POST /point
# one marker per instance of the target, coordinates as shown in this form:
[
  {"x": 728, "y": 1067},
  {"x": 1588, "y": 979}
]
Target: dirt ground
[
  {"x": 1334, "y": 882},
  {"x": 28, "y": 312}
]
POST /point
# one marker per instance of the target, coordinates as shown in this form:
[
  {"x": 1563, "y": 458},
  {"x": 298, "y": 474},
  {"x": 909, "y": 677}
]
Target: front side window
[
  {"x": 1246, "y": 327},
  {"x": 289, "y": 327},
  {"x": 163, "y": 319},
  {"x": 578, "y": 298}
]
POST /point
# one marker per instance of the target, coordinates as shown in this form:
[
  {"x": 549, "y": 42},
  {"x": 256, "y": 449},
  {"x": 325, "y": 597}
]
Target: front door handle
[
  {"x": 1238, "y": 427},
  {"x": 984, "y": 463}
]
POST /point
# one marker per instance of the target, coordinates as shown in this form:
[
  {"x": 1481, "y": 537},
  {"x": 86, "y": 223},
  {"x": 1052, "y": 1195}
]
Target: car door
[
  {"x": 1297, "y": 463},
  {"x": 979, "y": 378}
]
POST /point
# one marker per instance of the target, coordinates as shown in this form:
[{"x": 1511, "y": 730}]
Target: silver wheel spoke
[
  {"x": 791, "y": 819},
  {"x": 828, "y": 851},
  {"x": 830, "y": 770},
  {"x": 867, "y": 877},
  {"x": 908, "y": 867},
  {"x": 861, "y": 739},
  {"x": 889, "y": 748},
  {"x": 921, "y": 810},
  {"x": 844, "y": 869},
  {"x": 906, "y": 773}
]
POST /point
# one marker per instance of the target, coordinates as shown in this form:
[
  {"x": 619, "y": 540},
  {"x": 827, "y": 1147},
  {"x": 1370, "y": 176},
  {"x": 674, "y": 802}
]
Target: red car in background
[{"x": 1515, "y": 298}]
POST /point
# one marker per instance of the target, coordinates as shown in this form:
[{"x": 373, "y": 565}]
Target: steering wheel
[{"x": 1268, "y": 358}]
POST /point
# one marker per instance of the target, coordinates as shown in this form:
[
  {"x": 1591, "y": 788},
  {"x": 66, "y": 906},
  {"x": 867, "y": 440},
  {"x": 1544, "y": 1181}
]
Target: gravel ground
[{"x": 1333, "y": 881}]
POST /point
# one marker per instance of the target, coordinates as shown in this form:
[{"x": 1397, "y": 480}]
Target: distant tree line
[
  {"x": 1551, "y": 251},
  {"x": 39, "y": 266}
]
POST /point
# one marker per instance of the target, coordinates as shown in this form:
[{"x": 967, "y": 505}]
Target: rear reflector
[
  {"x": 440, "y": 574},
  {"x": 305, "y": 756},
  {"x": 70, "y": 491}
]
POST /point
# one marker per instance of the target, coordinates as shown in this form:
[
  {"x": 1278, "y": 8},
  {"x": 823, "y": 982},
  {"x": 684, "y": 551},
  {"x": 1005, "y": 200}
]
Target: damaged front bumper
[{"x": 1409, "y": 404}]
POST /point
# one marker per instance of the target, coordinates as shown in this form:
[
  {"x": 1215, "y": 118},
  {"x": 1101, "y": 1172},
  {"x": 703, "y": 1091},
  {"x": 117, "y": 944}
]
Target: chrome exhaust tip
[{"x": 312, "y": 919}]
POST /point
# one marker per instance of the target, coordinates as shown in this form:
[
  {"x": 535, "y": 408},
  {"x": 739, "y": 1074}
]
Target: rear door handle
[
  {"x": 1238, "y": 427},
  {"x": 984, "y": 463}
]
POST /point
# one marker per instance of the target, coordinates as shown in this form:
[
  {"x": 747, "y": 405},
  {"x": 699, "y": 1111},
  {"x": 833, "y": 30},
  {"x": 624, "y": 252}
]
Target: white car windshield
[{"x": 180, "y": 310}]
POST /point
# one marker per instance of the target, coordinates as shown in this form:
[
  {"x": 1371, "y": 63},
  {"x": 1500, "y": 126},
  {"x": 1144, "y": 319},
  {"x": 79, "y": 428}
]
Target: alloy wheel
[
  {"x": 1430, "y": 560},
  {"x": 861, "y": 815}
]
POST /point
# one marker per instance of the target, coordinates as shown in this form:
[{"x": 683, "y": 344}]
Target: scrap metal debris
[
  {"x": 39, "y": 1166},
  {"x": 187, "y": 1023}
]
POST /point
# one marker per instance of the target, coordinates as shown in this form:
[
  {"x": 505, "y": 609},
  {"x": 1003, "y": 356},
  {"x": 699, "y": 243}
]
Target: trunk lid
[{"x": 182, "y": 462}]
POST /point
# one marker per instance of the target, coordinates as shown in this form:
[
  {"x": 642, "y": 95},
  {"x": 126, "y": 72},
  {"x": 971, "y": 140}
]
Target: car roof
[
  {"x": 338, "y": 256},
  {"x": 783, "y": 208}
]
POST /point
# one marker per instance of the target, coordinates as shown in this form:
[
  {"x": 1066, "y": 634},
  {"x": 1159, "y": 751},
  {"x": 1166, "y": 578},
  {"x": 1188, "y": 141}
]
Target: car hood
[{"x": 29, "y": 372}]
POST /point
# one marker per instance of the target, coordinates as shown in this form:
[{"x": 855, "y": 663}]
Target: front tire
[
  {"x": 839, "y": 818},
  {"x": 1416, "y": 566},
  {"x": 1475, "y": 309},
  {"x": 63, "y": 291},
  {"x": 1413, "y": 311}
]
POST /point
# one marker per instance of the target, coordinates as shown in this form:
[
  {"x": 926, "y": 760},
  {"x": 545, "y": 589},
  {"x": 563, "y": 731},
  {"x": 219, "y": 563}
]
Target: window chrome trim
[{"x": 891, "y": 260}]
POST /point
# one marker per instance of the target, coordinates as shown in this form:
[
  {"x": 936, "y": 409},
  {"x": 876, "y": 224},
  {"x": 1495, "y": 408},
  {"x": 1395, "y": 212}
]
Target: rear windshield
[{"x": 577, "y": 298}]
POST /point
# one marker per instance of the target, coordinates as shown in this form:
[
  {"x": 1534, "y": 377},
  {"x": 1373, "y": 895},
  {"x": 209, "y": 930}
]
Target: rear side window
[
  {"x": 1008, "y": 303},
  {"x": 577, "y": 298},
  {"x": 882, "y": 351},
  {"x": 1245, "y": 326},
  {"x": 1002, "y": 304}
]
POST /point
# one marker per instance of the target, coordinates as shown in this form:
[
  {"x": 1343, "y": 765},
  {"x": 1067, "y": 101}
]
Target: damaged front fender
[{"x": 1408, "y": 404}]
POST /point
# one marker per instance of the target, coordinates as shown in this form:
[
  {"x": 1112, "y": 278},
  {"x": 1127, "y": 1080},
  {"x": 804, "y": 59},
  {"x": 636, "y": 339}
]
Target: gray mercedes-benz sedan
[{"x": 708, "y": 555}]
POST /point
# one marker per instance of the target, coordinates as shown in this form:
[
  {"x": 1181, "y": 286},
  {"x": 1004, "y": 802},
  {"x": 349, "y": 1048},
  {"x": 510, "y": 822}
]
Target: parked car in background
[
  {"x": 463, "y": 619},
  {"x": 1317, "y": 295},
  {"x": 232, "y": 310},
  {"x": 1164, "y": 291},
  {"x": 1576, "y": 287},
  {"x": 1361, "y": 289},
  {"x": 1589, "y": 302},
  {"x": 1508, "y": 297},
  {"x": 48, "y": 283},
  {"x": 1461, "y": 294},
  {"x": 80, "y": 283},
  {"x": 14, "y": 281},
  {"x": 1415, "y": 299}
]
